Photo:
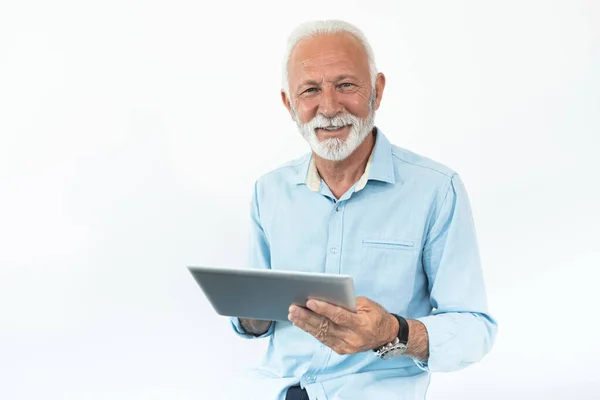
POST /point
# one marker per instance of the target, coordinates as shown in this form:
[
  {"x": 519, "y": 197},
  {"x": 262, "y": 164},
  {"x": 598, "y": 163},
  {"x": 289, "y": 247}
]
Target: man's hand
[
  {"x": 343, "y": 331},
  {"x": 255, "y": 327}
]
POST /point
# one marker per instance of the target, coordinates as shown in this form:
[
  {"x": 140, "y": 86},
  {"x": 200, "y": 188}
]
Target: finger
[
  {"x": 318, "y": 326},
  {"x": 338, "y": 315},
  {"x": 339, "y": 339},
  {"x": 323, "y": 333},
  {"x": 306, "y": 317},
  {"x": 319, "y": 330}
]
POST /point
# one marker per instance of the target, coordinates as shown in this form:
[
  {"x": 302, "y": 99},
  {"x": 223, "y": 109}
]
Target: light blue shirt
[{"x": 405, "y": 234}]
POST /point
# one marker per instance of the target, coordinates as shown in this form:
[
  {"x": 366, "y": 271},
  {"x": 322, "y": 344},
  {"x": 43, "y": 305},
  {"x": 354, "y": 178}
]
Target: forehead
[{"x": 324, "y": 56}]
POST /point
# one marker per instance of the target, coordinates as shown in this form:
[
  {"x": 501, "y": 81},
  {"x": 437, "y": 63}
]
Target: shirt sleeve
[
  {"x": 461, "y": 331},
  {"x": 258, "y": 257}
]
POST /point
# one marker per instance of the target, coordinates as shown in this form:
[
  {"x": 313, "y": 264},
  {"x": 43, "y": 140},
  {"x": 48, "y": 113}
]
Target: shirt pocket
[
  {"x": 388, "y": 271},
  {"x": 388, "y": 244}
]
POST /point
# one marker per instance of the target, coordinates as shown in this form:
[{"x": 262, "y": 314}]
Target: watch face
[{"x": 397, "y": 351}]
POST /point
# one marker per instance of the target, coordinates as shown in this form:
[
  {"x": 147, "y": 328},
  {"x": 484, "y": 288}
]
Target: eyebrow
[
  {"x": 342, "y": 77},
  {"x": 309, "y": 82},
  {"x": 338, "y": 78}
]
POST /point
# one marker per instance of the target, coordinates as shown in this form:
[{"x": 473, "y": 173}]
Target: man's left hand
[{"x": 343, "y": 331}]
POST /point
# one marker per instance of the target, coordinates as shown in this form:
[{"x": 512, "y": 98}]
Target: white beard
[{"x": 335, "y": 149}]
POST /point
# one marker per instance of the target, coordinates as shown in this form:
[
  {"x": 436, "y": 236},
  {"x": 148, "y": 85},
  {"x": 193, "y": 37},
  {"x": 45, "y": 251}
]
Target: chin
[{"x": 337, "y": 149}]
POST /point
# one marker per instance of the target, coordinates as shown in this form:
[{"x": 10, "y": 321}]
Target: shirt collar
[{"x": 380, "y": 166}]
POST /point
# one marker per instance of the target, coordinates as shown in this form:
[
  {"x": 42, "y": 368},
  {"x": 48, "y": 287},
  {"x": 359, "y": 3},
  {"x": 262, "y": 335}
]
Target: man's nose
[{"x": 330, "y": 105}]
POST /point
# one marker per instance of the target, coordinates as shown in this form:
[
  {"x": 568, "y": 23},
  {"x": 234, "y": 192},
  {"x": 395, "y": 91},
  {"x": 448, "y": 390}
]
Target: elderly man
[{"x": 400, "y": 224}]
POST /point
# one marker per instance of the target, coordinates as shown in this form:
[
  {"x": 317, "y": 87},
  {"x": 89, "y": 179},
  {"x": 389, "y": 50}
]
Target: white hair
[{"x": 315, "y": 28}]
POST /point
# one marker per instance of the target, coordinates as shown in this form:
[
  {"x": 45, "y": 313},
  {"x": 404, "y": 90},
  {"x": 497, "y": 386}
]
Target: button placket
[
  {"x": 322, "y": 353},
  {"x": 334, "y": 244}
]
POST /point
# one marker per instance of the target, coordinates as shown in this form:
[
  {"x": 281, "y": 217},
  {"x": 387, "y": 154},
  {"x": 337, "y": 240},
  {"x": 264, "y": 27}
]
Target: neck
[{"x": 341, "y": 175}]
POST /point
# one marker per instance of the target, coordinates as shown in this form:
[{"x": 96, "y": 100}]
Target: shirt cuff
[
  {"x": 237, "y": 328},
  {"x": 444, "y": 349}
]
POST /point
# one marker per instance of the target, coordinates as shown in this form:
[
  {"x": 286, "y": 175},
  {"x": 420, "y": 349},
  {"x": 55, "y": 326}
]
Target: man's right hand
[{"x": 256, "y": 327}]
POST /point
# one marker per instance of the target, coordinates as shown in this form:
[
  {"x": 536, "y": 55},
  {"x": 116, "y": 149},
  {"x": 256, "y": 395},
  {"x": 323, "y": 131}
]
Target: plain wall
[{"x": 131, "y": 133}]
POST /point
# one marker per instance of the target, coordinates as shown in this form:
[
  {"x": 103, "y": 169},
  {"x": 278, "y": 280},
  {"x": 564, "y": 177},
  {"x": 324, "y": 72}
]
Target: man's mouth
[{"x": 333, "y": 128}]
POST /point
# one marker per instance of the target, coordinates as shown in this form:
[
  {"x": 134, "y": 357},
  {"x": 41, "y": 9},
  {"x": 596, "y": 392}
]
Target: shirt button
[
  {"x": 337, "y": 209},
  {"x": 334, "y": 250}
]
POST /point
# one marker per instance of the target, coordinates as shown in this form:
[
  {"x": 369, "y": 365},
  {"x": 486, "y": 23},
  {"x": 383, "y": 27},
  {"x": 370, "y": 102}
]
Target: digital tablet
[{"x": 267, "y": 294}]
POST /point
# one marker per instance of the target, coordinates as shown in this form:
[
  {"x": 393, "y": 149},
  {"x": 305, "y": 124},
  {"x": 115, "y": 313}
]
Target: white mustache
[{"x": 321, "y": 121}]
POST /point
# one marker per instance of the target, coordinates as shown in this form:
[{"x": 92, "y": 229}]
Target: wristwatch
[{"x": 398, "y": 346}]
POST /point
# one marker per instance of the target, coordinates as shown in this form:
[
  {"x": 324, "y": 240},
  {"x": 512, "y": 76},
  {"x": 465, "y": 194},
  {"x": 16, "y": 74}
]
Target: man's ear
[
  {"x": 379, "y": 86},
  {"x": 287, "y": 103}
]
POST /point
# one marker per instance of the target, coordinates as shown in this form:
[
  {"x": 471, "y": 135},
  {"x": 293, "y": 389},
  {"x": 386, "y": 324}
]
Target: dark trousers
[{"x": 296, "y": 393}]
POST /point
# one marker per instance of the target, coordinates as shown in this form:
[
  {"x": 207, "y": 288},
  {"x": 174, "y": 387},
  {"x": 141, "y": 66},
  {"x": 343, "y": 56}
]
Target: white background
[{"x": 131, "y": 133}]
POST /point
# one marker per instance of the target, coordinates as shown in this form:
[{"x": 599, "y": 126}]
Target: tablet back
[{"x": 267, "y": 294}]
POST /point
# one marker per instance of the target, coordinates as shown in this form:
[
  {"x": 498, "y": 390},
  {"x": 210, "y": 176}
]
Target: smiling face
[{"x": 332, "y": 97}]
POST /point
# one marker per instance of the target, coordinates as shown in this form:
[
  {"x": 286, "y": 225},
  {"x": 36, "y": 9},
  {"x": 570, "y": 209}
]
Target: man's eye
[
  {"x": 346, "y": 85},
  {"x": 310, "y": 90}
]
